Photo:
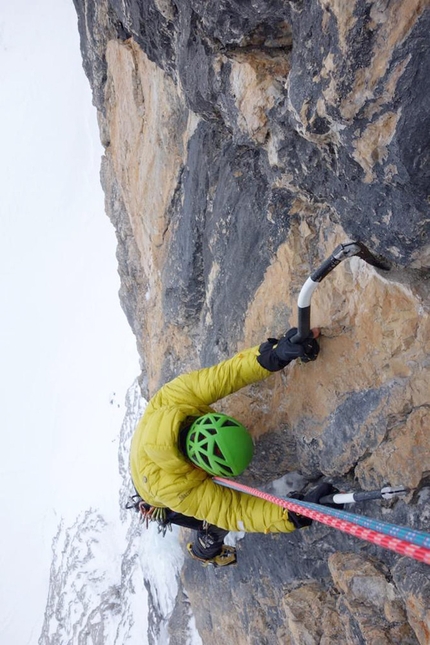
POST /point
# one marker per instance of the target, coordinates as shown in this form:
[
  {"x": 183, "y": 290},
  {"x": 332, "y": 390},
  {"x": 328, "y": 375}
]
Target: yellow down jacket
[{"x": 164, "y": 477}]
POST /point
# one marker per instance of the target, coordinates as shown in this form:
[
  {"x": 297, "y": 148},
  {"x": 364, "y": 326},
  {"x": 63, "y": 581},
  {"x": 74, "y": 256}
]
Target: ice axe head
[
  {"x": 366, "y": 255},
  {"x": 341, "y": 252}
]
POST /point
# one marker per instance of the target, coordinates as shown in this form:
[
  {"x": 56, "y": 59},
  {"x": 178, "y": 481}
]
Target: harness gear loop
[{"x": 148, "y": 513}]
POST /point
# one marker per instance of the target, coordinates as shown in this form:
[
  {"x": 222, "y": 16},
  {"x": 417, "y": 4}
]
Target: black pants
[{"x": 209, "y": 539}]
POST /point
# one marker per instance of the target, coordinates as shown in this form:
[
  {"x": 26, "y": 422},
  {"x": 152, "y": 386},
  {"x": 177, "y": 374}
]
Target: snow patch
[
  {"x": 233, "y": 538},
  {"x": 161, "y": 561},
  {"x": 287, "y": 484}
]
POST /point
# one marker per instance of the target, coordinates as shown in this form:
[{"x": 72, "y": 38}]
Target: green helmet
[{"x": 219, "y": 444}]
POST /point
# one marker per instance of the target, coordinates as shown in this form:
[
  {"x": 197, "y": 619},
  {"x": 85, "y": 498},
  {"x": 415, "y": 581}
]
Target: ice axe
[
  {"x": 341, "y": 252},
  {"x": 387, "y": 492}
]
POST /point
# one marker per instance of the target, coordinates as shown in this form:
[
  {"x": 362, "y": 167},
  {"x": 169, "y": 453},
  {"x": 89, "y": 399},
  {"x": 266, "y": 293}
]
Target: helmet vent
[
  {"x": 229, "y": 422},
  {"x": 205, "y": 459},
  {"x": 218, "y": 452}
]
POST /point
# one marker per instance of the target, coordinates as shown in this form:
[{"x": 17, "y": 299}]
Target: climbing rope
[{"x": 402, "y": 540}]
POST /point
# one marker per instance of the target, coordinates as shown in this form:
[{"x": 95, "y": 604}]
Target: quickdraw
[{"x": 148, "y": 513}]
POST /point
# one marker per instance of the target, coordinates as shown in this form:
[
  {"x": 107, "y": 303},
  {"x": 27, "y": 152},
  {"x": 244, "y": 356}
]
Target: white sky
[{"x": 65, "y": 342}]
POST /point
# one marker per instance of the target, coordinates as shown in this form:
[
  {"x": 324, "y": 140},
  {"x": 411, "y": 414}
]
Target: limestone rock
[
  {"x": 369, "y": 606},
  {"x": 413, "y": 583},
  {"x": 312, "y": 618}
]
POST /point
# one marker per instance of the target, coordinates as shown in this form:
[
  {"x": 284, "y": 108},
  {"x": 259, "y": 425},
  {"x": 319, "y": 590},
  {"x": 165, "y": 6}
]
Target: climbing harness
[{"x": 402, "y": 540}]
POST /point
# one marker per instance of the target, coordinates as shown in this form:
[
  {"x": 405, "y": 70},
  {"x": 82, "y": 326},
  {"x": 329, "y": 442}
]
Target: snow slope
[{"x": 112, "y": 580}]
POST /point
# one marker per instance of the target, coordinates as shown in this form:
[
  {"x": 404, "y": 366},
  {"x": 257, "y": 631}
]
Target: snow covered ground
[
  {"x": 66, "y": 345},
  {"x": 112, "y": 580},
  {"x": 110, "y": 585}
]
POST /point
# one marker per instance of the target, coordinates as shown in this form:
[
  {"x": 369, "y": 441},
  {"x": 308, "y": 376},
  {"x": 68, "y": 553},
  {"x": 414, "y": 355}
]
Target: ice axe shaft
[
  {"x": 387, "y": 492},
  {"x": 341, "y": 252}
]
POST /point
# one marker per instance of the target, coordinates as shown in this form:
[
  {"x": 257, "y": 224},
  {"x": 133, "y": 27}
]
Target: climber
[{"x": 181, "y": 442}]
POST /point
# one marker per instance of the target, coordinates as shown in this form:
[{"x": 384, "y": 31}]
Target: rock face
[{"x": 243, "y": 142}]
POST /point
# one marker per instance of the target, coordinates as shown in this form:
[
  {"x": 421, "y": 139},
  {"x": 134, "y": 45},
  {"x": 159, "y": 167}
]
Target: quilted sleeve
[{"x": 203, "y": 387}]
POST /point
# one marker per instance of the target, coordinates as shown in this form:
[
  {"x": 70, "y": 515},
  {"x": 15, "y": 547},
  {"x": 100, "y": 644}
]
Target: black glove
[
  {"x": 314, "y": 496},
  {"x": 277, "y": 354},
  {"x": 320, "y": 491},
  {"x": 312, "y": 349},
  {"x": 299, "y": 521}
]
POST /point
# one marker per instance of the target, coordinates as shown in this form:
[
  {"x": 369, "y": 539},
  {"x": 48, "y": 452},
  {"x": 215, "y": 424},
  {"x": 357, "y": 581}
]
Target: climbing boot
[{"x": 226, "y": 556}]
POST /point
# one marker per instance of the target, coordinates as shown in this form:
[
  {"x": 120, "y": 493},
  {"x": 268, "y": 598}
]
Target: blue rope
[
  {"x": 402, "y": 532},
  {"x": 419, "y": 538}
]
